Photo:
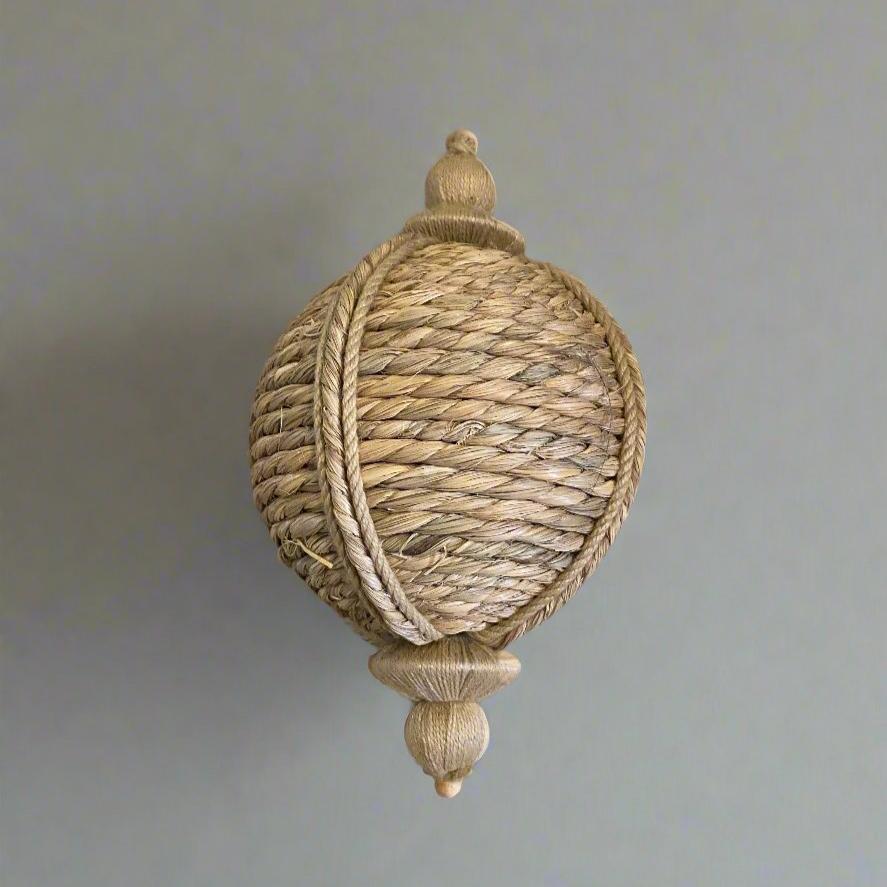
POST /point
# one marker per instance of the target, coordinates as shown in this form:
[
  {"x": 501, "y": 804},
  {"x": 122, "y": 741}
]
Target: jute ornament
[{"x": 444, "y": 444}]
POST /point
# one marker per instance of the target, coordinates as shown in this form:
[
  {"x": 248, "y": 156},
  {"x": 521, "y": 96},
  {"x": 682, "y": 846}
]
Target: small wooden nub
[
  {"x": 448, "y": 788},
  {"x": 446, "y": 730}
]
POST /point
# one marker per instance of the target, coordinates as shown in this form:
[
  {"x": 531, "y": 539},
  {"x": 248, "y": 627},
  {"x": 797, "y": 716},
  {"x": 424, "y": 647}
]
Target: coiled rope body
[{"x": 459, "y": 431}]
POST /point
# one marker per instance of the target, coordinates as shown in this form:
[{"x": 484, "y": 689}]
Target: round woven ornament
[{"x": 444, "y": 444}]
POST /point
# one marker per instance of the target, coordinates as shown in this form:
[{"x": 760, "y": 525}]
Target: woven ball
[{"x": 447, "y": 439}]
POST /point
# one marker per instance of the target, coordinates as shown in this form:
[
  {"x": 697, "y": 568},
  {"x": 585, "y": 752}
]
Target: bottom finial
[{"x": 446, "y": 731}]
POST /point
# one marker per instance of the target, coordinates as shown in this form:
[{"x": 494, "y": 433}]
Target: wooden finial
[{"x": 446, "y": 731}]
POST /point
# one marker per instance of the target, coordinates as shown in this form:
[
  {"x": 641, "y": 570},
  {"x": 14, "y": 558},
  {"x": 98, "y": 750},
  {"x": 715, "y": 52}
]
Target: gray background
[{"x": 178, "y": 177}]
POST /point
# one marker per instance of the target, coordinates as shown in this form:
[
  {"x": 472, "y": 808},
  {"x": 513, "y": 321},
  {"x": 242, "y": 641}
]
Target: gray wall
[{"x": 178, "y": 177}]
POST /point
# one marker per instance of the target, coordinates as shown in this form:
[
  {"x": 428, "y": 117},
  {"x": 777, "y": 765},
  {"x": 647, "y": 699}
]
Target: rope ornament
[{"x": 444, "y": 444}]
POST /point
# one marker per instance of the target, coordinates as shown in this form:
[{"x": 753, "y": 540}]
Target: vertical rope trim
[
  {"x": 631, "y": 460},
  {"x": 335, "y": 418}
]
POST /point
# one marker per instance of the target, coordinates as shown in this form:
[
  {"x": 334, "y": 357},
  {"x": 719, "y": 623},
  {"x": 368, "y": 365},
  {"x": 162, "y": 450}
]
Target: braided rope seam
[{"x": 335, "y": 416}]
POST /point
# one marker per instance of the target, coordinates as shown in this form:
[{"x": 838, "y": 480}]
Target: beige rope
[{"x": 337, "y": 458}]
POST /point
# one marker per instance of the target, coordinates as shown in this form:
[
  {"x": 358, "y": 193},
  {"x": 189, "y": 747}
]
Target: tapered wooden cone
[{"x": 446, "y": 731}]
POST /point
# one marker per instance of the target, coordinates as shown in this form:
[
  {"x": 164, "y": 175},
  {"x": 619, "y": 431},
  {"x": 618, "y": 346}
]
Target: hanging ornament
[{"x": 444, "y": 444}]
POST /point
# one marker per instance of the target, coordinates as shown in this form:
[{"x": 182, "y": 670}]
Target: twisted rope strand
[{"x": 337, "y": 453}]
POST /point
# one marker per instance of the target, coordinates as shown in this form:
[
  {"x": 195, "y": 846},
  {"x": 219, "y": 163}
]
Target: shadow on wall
[{"x": 146, "y": 605}]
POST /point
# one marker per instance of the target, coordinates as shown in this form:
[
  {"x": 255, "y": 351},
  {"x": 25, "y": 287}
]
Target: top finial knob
[
  {"x": 459, "y": 198},
  {"x": 462, "y": 141},
  {"x": 459, "y": 180}
]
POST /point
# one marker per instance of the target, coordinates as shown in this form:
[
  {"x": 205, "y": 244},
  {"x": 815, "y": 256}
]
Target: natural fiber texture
[
  {"x": 494, "y": 421},
  {"x": 457, "y": 429},
  {"x": 454, "y": 669}
]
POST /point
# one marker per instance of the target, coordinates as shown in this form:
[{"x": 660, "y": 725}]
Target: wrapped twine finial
[
  {"x": 460, "y": 195},
  {"x": 446, "y": 731},
  {"x": 444, "y": 444}
]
